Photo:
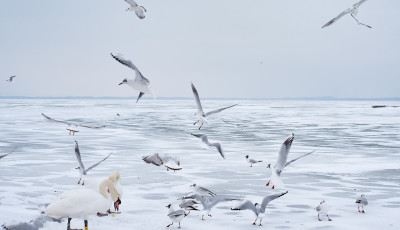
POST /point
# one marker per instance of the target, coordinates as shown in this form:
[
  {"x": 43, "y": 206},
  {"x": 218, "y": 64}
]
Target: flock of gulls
[{"x": 98, "y": 202}]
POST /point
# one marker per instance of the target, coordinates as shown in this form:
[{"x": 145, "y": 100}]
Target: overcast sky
[{"x": 227, "y": 48}]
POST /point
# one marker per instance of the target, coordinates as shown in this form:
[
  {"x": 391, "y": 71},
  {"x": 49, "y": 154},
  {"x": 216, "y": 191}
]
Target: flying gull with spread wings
[
  {"x": 352, "y": 11},
  {"x": 140, "y": 83},
  {"x": 200, "y": 113},
  {"x": 282, "y": 162},
  {"x": 135, "y": 7},
  {"x": 11, "y": 79},
  {"x": 207, "y": 202},
  {"x": 72, "y": 124},
  {"x": 165, "y": 160},
  {"x": 82, "y": 170},
  {"x": 259, "y": 210}
]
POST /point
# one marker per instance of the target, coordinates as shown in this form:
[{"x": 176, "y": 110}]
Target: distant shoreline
[{"x": 210, "y": 98}]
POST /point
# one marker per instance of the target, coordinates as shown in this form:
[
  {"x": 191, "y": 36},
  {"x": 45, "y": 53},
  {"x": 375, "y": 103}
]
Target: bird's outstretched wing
[
  {"x": 154, "y": 159},
  {"x": 126, "y": 62},
  {"x": 219, "y": 148},
  {"x": 295, "y": 159},
  {"x": 139, "y": 12},
  {"x": 359, "y": 3},
  {"x": 246, "y": 205},
  {"x": 78, "y": 156},
  {"x": 337, "y": 18},
  {"x": 197, "y": 99},
  {"x": 284, "y": 152},
  {"x": 204, "y": 190},
  {"x": 132, "y": 3},
  {"x": 98, "y": 162},
  {"x": 52, "y": 119},
  {"x": 8, "y": 153},
  {"x": 177, "y": 213},
  {"x": 218, "y": 110},
  {"x": 70, "y": 123},
  {"x": 268, "y": 199}
]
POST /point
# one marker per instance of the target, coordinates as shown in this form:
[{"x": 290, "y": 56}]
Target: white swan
[{"x": 84, "y": 202}]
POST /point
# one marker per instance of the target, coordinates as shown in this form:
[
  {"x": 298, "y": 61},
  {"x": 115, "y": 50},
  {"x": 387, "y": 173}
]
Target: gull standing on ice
[
  {"x": 207, "y": 202},
  {"x": 140, "y": 83},
  {"x": 200, "y": 113},
  {"x": 281, "y": 163},
  {"x": 11, "y": 79},
  {"x": 361, "y": 202},
  {"x": 176, "y": 216},
  {"x": 251, "y": 161},
  {"x": 204, "y": 138},
  {"x": 135, "y": 7},
  {"x": 1, "y": 156},
  {"x": 81, "y": 168},
  {"x": 323, "y": 208},
  {"x": 259, "y": 210},
  {"x": 202, "y": 191},
  {"x": 352, "y": 11}
]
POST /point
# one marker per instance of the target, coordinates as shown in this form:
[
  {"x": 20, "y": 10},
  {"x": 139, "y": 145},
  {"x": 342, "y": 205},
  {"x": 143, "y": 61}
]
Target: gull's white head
[{"x": 125, "y": 81}]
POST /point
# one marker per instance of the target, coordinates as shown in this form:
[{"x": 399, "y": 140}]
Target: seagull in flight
[
  {"x": 259, "y": 210},
  {"x": 1, "y": 156},
  {"x": 207, "y": 202},
  {"x": 200, "y": 113},
  {"x": 135, "y": 7},
  {"x": 158, "y": 160},
  {"x": 352, "y": 11},
  {"x": 202, "y": 191},
  {"x": 11, "y": 78},
  {"x": 81, "y": 168},
  {"x": 204, "y": 138},
  {"x": 282, "y": 162},
  {"x": 73, "y": 131},
  {"x": 140, "y": 83}
]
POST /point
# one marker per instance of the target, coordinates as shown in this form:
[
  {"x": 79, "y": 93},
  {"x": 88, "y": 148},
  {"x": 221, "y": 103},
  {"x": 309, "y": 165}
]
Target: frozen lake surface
[{"x": 358, "y": 152}]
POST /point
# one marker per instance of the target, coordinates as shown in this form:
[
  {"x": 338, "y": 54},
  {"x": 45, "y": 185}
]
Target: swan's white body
[{"x": 81, "y": 203}]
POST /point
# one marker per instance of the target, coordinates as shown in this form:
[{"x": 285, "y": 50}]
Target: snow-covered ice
[{"x": 358, "y": 152}]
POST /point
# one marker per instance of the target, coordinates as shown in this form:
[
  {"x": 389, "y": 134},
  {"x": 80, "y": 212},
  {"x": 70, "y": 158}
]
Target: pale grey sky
[{"x": 62, "y": 48}]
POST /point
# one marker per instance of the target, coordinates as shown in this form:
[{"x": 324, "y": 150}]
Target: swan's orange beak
[{"x": 116, "y": 204}]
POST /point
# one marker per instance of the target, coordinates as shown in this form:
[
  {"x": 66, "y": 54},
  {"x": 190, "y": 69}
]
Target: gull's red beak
[{"x": 121, "y": 83}]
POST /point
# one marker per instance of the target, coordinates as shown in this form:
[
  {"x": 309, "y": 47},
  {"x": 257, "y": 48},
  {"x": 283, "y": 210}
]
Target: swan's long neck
[{"x": 103, "y": 188}]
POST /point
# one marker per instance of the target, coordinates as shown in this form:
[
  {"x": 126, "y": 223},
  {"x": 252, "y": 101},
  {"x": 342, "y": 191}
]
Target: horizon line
[{"x": 324, "y": 98}]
